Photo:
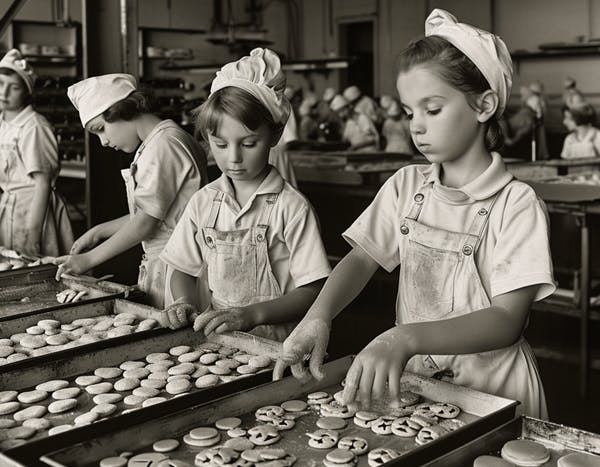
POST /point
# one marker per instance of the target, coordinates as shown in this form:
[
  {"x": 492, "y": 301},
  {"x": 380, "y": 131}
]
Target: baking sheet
[
  {"x": 559, "y": 440},
  {"x": 480, "y": 410},
  {"x": 84, "y": 363}
]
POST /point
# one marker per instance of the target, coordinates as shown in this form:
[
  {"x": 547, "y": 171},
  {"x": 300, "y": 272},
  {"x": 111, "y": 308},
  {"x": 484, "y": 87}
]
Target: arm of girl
[
  {"x": 132, "y": 232},
  {"x": 382, "y": 361},
  {"x": 37, "y": 213},
  {"x": 288, "y": 307},
  {"x": 98, "y": 233},
  {"x": 311, "y": 335}
]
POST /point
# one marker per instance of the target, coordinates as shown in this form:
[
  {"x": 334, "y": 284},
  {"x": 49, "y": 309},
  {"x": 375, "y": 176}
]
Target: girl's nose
[
  {"x": 235, "y": 153},
  {"x": 103, "y": 140}
]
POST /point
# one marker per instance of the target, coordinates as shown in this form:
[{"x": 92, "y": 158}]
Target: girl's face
[
  {"x": 442, "y": 124},
  {"x": 120, "y": 135},
  {"x": 568, "y": 121},
  {"x": 13, "y": 92},
  {"x": 241, "y": 154}
]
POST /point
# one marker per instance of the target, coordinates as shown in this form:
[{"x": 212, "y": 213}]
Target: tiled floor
[{"x": 369, "y": 316}]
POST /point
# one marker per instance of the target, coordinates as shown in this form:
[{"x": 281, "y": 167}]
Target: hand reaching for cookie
[
  {"x": 230, "y": 319},
  {"x": 179, "y": 313},
  {"x": 377, "y": 369},
  {"x": 311, "y": 336}
]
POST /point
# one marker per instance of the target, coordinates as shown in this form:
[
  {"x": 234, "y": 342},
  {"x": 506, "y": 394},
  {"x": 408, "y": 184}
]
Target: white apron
[
  {"x": 439, "y": 280},
  {"x": 584, "y": 148},
  {"x": 239, "y": 269}
]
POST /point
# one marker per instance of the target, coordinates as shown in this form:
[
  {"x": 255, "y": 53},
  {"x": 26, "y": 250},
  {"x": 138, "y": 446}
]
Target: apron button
[
  {"x": 260, "y": 237},
  {"x": 482, "y": 212},
  {"x": 209, "y": 241},
  {"x": 404, "y": 230},
  {"x": 419, "y": 198},
  {"x": 467, "y": 250}
]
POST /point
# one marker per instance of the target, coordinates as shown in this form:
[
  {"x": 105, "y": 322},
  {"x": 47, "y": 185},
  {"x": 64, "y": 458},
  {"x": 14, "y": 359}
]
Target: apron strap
[
  {"x": 418, "y": 200},
  {"x": 263, "y": 220},
  {"x": 214, "y": 210}
]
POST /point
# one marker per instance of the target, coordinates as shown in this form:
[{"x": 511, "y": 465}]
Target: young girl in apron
[
  {"x": 584, "y": 139},
  {"x": 471, "y": 242},
  {"x": 250, "y": 234},
  {"x": 169, "y": 166},
  {"x": 33, "y": 218}
]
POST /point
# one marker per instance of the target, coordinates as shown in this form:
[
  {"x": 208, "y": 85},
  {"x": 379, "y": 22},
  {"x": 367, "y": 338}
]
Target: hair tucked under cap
[
  {"x": 14, "y": 61},
  {"x": 260, "y": 75},
  {"x": 486, "y": 50}
]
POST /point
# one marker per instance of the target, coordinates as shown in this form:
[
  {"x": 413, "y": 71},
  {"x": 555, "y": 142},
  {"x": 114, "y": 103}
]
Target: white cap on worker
[
  {"x": 92, "y": 96},
  {"x": 351, "y": 93},
  {"x": 15, "y": 62},
  {"x": 338, "y": 102}
]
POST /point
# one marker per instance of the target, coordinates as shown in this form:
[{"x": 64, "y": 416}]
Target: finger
[
  {"x": 365, "y": 386},
  {"x": 227, "y": 326},
  {"x": 317, "y": 357},
  {"x": 352, "y": 380},
  {"x": 280, "y": 366},
  {"x": 60, "y": 271},
  {"x": 203, "y": 319},
  {"x": 394, "y": 376},
  {"x": 215, "y": 323},
  {"x": 300, "y": 372},
  {"x": 379, "y": 383},
  {"x": 170, "y": 319},
  {"x": 181, "y": 314}
]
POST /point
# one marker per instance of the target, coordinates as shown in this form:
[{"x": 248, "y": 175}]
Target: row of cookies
[
  {"x": 113, "y": 390},
  {"x": 50, "y": 335}
]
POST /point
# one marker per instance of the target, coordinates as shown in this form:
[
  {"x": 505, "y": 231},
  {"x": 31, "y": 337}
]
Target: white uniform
[
  {"x": 358, "y": 129},
  {"x": 457, "y": 249},
  {"x": 168, "y": 168},
  {"x": 250, "y": 253},
  {"x": 28, "y": 145},
  {"x": 278, "y": 155},
  {"x": 576, "y": 148}
]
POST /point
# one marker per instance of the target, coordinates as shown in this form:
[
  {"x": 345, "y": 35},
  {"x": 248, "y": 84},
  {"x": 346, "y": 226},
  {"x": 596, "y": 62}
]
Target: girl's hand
[
  {"x": 179, "y": 313},
  {"x": 311, "y": 336},
  {"x": 230, "y": 319},
  {"x": 378, "y": 367},
  {"x": 72, "y": 264},
  {"x": 84, "y": 243}
]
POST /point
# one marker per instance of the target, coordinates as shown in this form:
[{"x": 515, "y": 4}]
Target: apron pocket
[{"x": 232, "y": 277}]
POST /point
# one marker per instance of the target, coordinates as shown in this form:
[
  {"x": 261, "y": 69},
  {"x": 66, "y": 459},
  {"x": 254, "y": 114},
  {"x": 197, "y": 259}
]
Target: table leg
[{"x": 584, "y": 307}]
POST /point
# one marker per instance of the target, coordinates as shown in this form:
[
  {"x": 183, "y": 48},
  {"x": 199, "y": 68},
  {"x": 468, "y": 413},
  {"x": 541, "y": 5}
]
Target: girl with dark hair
[
  {"x": 472, "y": 242},
  {"x": 169, "y": 166},
  {"x": 251, "y": 236},
  {"x": 33, "y": 218},
  {"x": 584, "y": 138}
]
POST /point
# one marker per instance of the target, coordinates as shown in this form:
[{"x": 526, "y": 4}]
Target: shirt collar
[
  {"x": 22, "y": 117},
  {"x": 490, "y": 182}
]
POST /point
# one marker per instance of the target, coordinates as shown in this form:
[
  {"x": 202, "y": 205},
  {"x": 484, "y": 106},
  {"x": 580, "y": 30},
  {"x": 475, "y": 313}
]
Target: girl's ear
[{"x": 487, "y": 105}]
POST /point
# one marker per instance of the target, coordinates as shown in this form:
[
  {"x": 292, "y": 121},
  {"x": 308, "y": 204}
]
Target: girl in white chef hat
[
  {"x": 471, "y": 242},
  {"x": 253, "y": 235},
  {"x": 169, "y": 166},
  {"x": 33, "y": 219}
]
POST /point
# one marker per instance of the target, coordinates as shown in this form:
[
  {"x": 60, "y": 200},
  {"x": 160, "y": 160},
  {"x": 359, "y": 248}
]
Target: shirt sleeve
[
  {"x": 566, "y": 150},
  {"x": 375, "y": 230},
  {"x": 308, "y": 260},
  {"x": 522, "y": 254},
  {"x": 39, "y": 150},
  {"x": 160, "y": 175},
  {"x": 182, "y": 251}
]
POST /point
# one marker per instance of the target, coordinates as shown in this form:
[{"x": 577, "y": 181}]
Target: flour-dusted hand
[
  {"x": 377, "y": 369},
  {"x": 311, "y": 336},
  {"x": 179, "y": 313},
  {"x": 72, "y": 264},
  {"x": 230, "y": 319}
]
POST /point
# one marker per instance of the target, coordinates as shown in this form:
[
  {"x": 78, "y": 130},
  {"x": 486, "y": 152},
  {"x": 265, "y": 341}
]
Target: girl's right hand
[
  {"x": 178, "y": 314},
  {"x": 311, "y": 336},
  {"x": 85, "y": 243}
]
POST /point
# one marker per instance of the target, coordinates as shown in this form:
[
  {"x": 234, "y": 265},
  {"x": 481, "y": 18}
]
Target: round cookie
[
  {"x": 579, "y": 459},
  {"x": 38, "y": 424},
  {"x": 163, "y": 365},
  {"x": 165, "y": 445},
  {"x": 16, "y": 357},
  {"x": 207, "y": 381},
  {"x": 51, "y": 386},
  {"x": 364, "y": 418},
  {"x": 226, "y": 351},
  {"x": 179, "y": 350},
  {"x": 323, "y": 439},
  {"x": 178, "y": 386},
  {"x": 209, "y": 358},
  {"x": 56, "y": 340},
  {"x": 110, "y": 398},
  {"x": 239, "y": 444},
  {"x": 331, "y": 423},
  {"x": 6, "y": 350},
  {"x": 182, "y": 369},
  {"x": 66, "y": 393},
  {"x": 219, "y": 370},
  {"x": 9, "y": 407},
  {"x": 8, "y": 396},
  {"x": 524, "y": 452},
  {"x": 116, "y": 461},
  {"x": 35, "y": 330},
  {"x": 32, "y": 342},
  {"x": 340, "y": 457},
  {"x": 237, "y": 432},
  {"x": 445, "y": 410},
  {"x": 34, "y": 411},
  {"x": 263, "y": 435},
  {"x": 294, "y": 406},
  {"x": 133, "y": 400},
  {"x": 136, "y": 373},
  {"x": 228, "y": 363},
  {"x": 356, "y": 444},
  {"x": 131, "y": 364},
  {"x": 380, "y": 456},
  {"x": 259, "y": 361},
  {"x": 383, "y": 425},
  {"x": 62, "y": 405},
  {"x": 246, "y": 370},
  {"x": 153, "y": 400},
  {"x": 99, "y": 388},
  {"x": 157, "y": 357},
  {"x": 126, "y": 384},
  {"x": 228, "y": 423},
  {"x": 59, "y": 429},
  {"x": 317, "y": 398},
  {"x": 48, "y": 324},
  {"x": 153, "y": 383},
  {"x": 86, "y": 418},
  {"x": 146, "y": 393},
  {"x": 104, "y": 410},
  {"x": 108, "y": 372},
  {"x": 491, "y": 461},
  {"x": 87, "y": 380}
]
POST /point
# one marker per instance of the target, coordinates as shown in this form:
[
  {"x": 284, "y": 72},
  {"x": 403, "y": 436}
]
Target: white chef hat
[
  {"x": 15, "y": 61},
  {"x": 92, "y": 96},
  {"x": 394, "y": 109},
  {"x": 260, "y": 75},
  {"x": 486, "y": 50},
  {"x": 385, "y": 101},
  {"x": 328, "y": 94},
  {"x": 351, "y": 93},
  {"x": 338, "y": 102}
]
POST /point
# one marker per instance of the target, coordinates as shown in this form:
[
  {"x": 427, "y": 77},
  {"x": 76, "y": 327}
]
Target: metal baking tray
[
  {"x": 85, "y": 359},
  {"x": 559, "y": 440},
  {"x": 137, "y": 431},
  {"x": 26, "y": 290},
  {"x": 573, "y": 188},
  {"x": 69, "y": 313}
]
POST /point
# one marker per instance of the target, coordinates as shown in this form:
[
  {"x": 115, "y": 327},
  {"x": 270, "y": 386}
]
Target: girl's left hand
[
  {"x": 72, "y": 264},
  {"x": 378, "y": 367},
  {"x": 229, "y": 319}
]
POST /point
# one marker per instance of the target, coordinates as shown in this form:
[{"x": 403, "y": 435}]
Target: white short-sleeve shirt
[
  {"x": 514, "y": 251},
  {"x": 296, "y": 250}
]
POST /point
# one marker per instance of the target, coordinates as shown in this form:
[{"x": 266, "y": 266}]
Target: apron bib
[
  {"x": 439, "y": 280},
  {"x": 585, "y": 147},
  {"x": 239, "y": 269}
]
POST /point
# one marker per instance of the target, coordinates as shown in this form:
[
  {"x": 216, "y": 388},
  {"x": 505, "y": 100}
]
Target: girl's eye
[
  {"x": 221, "y": 145},
  {"x": 433, "y": 111},
  {"x": 249, "y": 144},
  {"x": 409, "y": 116}
]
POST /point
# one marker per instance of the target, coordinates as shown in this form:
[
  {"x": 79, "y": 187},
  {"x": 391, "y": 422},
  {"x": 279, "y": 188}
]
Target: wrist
[
  {"x": 252, "y": 315},
  {"x": 408, "y": 340}
]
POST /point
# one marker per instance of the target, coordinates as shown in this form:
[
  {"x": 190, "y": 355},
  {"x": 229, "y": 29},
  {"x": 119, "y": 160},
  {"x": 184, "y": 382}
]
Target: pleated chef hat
[
  {"x": 14, "y": 61},
  {"x": 92, "y": 96},
  {"x": 486, "y": 50},
  {"x": 259, "y": 74}
]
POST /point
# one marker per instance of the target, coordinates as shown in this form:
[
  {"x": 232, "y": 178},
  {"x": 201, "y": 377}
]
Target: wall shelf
[{"x": 315, "y": 65}]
